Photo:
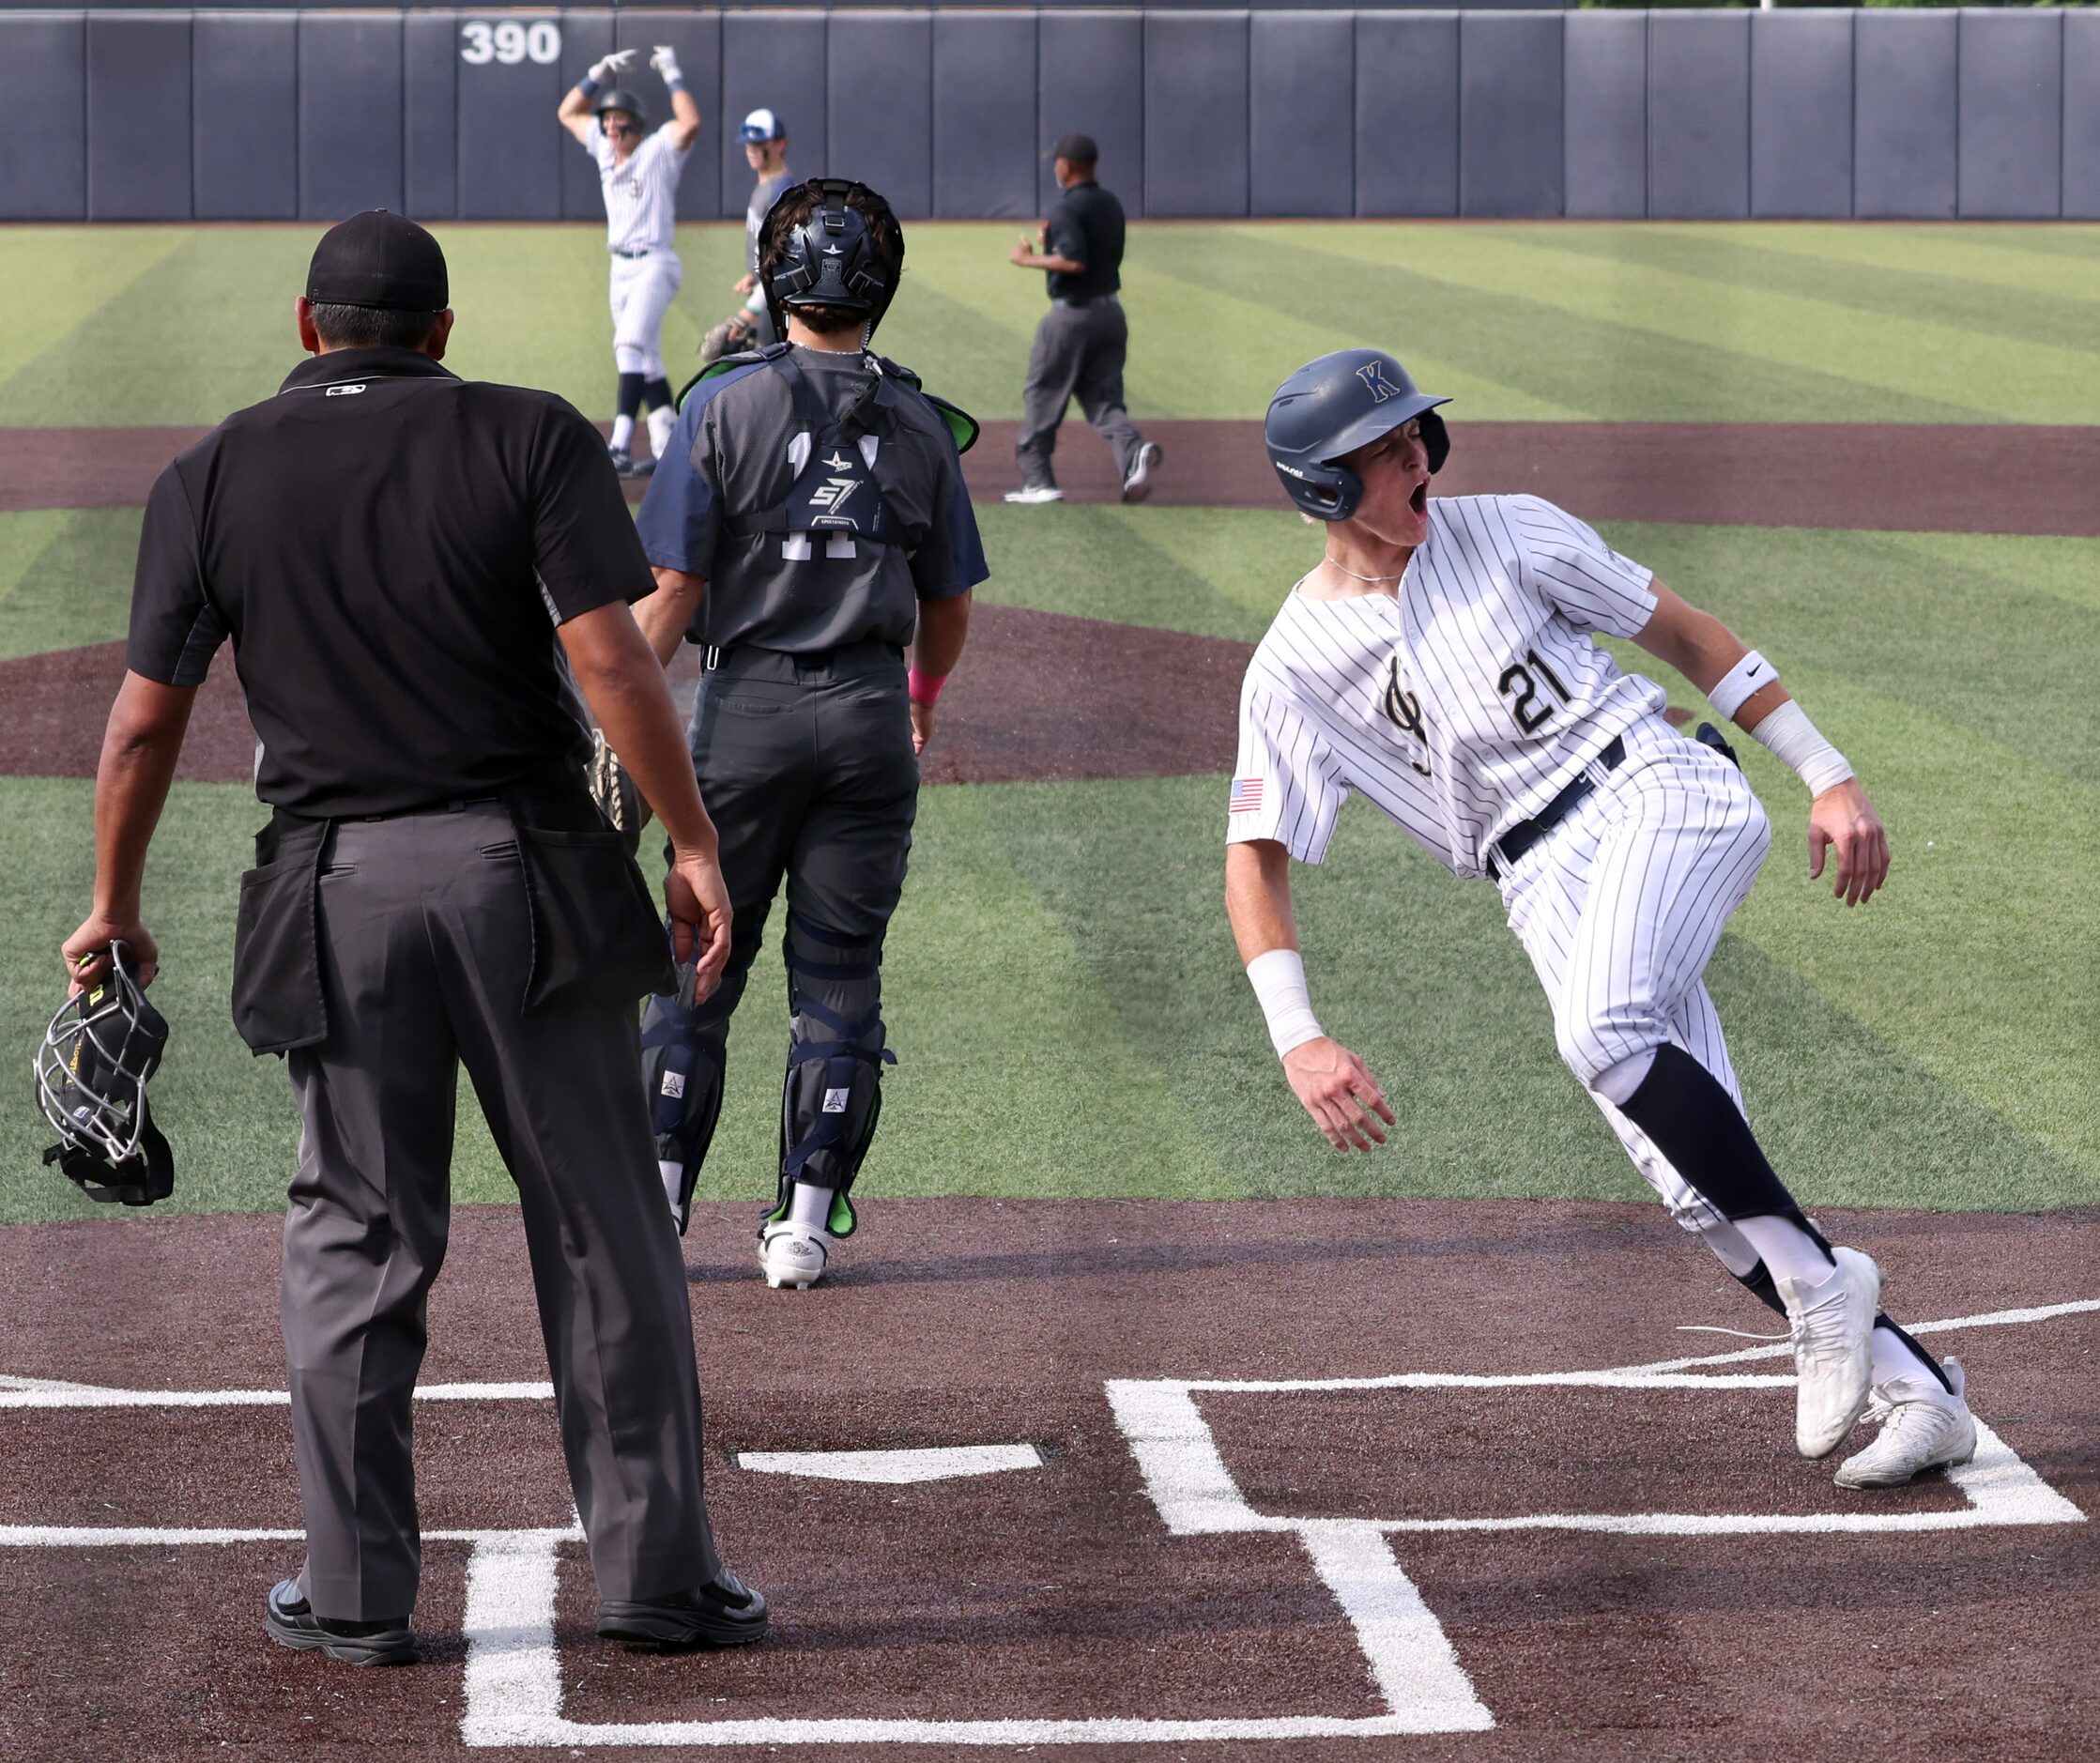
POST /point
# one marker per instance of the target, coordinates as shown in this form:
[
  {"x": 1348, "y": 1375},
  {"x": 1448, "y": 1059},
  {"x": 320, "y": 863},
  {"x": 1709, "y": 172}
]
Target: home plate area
[{"x": 1007, "y": 1489}]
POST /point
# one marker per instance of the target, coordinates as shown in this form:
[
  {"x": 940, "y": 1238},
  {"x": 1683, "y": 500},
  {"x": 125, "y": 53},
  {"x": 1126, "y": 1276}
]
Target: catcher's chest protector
[{"x": 834, "y": 494}]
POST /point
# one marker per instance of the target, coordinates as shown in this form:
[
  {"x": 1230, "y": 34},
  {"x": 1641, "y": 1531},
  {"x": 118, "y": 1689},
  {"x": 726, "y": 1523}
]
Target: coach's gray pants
[
  {"x": 1079, "y": 353},
  {"x": 425, "y": 940}
]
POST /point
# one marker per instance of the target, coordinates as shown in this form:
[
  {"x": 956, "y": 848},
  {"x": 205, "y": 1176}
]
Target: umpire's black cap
[
  {"x": 379, "y": 259},
  {"x": 1079, "y": 149}
]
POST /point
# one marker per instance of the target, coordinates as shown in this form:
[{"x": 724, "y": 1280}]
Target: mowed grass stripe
[
  {"x": 1072, "y": 1018},
  {"x": 1978, "y": 961},
  {"x": 1974, "y": 258},
  {"x": 53, "y": 278},
  {"x": 1636, "y": 352},
  {"x": 65, "y": 578},
  {"x": 2009, "y": 663},
  {"x": 2000, "y": 380},
  {"x": 1756, "y": 261}
]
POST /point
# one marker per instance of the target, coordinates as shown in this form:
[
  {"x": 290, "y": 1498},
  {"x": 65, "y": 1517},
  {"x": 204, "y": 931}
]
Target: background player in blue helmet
[
  {"x": 1439, "y": 660},
  {"x": 811, "y": 528},
  {"x": 765, "y": 150}
]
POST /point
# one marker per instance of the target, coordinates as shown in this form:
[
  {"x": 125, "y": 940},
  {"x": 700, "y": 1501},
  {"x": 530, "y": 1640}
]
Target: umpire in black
[
  {"x": 810, "y": 525},
  {"x": 403, "y": 560},
  {"x": 1080, "y": 345}
]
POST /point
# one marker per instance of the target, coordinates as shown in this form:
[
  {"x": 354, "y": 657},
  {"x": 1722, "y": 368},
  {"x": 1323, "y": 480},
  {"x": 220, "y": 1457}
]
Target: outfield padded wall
[{"x": 268, "y": 114}]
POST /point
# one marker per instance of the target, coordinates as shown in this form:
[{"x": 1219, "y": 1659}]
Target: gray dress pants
[
  {"x": 1079, "y": 354},
  {"x": 425, "y": 940}
]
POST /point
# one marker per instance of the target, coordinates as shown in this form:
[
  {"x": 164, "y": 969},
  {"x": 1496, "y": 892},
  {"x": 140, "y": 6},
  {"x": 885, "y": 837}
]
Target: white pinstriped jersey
[
  {"x": 642, "y": 195},
  {"x": 1460, "y": 708}
]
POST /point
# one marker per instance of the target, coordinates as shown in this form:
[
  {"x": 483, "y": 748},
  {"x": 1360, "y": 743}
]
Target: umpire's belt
[
  {"x": 1526, "y": 834},
  {"x": 1082, "y": 301},
  {"x": 852, "y": 657}
]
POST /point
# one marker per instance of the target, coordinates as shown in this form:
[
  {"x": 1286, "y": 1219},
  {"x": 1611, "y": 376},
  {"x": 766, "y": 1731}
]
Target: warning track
[{"x": 1502, "y": 1505}]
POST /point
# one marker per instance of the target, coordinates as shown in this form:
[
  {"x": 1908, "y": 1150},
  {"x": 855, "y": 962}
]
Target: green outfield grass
[
  {"x": 1064, "y": 995},
  {"x": 1660, "y": 322}
]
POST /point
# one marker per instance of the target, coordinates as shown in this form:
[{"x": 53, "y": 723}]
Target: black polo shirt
[
  {"x": 390, "y": 548},
  {"x": 1086, "y": 225}
]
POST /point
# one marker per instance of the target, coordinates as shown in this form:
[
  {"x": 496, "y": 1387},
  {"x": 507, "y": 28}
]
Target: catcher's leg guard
[
  {"x": 833, "y": 1095},
  {"x": 683, "y": 1047}
]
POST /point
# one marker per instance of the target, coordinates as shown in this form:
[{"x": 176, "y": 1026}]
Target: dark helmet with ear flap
[
  {"x": 617, "y": 98},
  {"x": 1330, "y": 408},
  {"x": 838, "y": 257}
]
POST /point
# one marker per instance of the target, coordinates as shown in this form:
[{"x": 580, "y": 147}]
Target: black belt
[
  {"x": 1082, "y": 299},
  {"x": 713, "y": 655},
  {"x": 1526, "y": 834},
  {"x": 458, "y": 805},
  {"x": 631, "y": 255}
]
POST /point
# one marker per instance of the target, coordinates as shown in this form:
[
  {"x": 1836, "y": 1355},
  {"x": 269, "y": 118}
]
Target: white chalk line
[{"x": 29, "y": 1392}]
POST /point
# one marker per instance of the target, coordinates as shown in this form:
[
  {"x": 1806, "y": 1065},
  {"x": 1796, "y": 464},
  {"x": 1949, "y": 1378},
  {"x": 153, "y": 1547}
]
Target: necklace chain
[{"x": 1355, "y": 575}]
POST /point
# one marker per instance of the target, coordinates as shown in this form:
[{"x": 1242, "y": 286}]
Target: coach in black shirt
[
  {"x": 1080, "y": 345},
  {"x": 403, "y": 560}
]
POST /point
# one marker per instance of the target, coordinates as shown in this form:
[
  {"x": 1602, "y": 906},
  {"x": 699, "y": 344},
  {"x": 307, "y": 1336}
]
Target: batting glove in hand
[
  {"x": 606, "y": 65},
  {"x": 665, "y": 61}
]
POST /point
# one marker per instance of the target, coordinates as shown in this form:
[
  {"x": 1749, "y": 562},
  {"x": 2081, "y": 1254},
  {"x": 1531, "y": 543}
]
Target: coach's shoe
[
  {"x": 1832, "y": 1322},
  {"x": 1033, "y": 493},
  {"x": 791, "y": 1254},
  {"x": 725, "y": 1612},
  {"x": 1137, "y": 484},
  {"x": 637, "y": 469},
  {"x": 623, "y": 461},
  {"x": 1923, "y": 1426},
  {"x": 291, "y": 1622}
]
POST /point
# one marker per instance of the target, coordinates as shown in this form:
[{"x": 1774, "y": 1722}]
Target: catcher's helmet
[
  {"x": 1330, "y": 408},
  {"x": 91, "y": 1071},
  {"x": 839, "y": 256},
  {"x": 619, "y": 98}
]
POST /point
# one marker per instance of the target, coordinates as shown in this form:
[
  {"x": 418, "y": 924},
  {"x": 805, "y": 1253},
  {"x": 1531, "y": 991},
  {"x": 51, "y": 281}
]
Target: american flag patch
[{"x": 1246, "y": 797}]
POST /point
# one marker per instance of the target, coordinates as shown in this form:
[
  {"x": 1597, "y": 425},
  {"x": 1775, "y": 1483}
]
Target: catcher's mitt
[{"x": 614, "y": 793}]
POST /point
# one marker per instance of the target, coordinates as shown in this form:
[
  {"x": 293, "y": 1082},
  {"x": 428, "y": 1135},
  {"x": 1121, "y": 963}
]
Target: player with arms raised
[
  {"x": 639, "y": 172},
  {"x": 1439, "y": 661}
]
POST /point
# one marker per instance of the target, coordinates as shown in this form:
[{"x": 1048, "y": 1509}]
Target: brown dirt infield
[
  {"x": 1046, "y": 698},
  {"x": 1891, "y": 476},
  {"x": 1057, "y": 1592}
]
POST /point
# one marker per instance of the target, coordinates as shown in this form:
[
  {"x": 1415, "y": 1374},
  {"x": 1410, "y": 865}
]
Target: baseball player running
[
  {"x": 639, "y": 173},
  {"x": 1439, "y": 661},
  {"x": 765, "y": 150}
]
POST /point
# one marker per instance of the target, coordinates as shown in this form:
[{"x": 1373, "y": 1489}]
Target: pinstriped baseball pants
[{"x": 1621, "y": 907}]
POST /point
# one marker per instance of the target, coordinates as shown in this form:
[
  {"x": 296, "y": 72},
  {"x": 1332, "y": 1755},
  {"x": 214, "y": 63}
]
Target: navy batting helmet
[
  {"x": 619, "y": 98},
  {"x": 845, "y": 255},
  {"x": 1330, "y": 408}
]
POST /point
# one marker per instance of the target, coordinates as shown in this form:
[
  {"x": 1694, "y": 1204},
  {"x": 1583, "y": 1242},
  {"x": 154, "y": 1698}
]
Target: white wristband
[
  {"x": 1742, "y": 682},
  {"x": 1789, "y": 733},
  {"x": 1279, "y": 980}
]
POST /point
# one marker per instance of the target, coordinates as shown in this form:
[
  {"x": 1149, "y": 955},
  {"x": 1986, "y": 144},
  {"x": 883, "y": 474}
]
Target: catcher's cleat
[
  {"x": 792, "y": 1254},
  {"x": 291, "y": 1622},
  {"x": 725, "y": 1612},
  {"x": 1832, "y": 1321},
  {"x": 1923, "y": 1426}
]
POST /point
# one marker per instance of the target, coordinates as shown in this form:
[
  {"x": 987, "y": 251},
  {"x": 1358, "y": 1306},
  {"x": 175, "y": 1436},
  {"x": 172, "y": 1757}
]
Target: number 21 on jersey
[{"x": 1520, "y": 684}]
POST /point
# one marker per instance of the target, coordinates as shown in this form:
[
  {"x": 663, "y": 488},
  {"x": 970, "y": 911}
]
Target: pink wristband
[{"x": 924, "y": 688}]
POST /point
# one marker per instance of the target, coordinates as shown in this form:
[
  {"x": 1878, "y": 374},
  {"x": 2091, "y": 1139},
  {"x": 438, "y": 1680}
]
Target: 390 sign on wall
[{"x": 508, "y": 42}]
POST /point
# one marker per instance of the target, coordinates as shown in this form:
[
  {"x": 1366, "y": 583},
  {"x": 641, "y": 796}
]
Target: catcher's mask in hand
[{"x": 91, "y": 1071}]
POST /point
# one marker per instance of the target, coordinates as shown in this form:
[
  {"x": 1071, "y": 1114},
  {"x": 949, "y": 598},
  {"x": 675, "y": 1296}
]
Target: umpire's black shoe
[
  {"x": 725, "y": 1612},
  {"x": 292, "y": 1623}
]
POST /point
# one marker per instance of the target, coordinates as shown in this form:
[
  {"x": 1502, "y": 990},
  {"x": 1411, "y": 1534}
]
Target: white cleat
[
  {"x": 1137, "y": 484},
  {"x": 1923, "y": 1426},
  {"x": 1832, "y": 1322},
  {"x": 791, "y": 1254},
  {"x": 1033, "y": 493}
]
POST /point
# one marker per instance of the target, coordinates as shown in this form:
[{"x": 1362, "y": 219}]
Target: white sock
[
  {"x": 622, "y": 433},
  {"x": 661, "y": 423},
  {"x": 812, "y": 1206},
  {"x": 1616, "y": 1084},
  {"x": 1893, "y": 1357},
  {"x": 1788, "y": 1251}
]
